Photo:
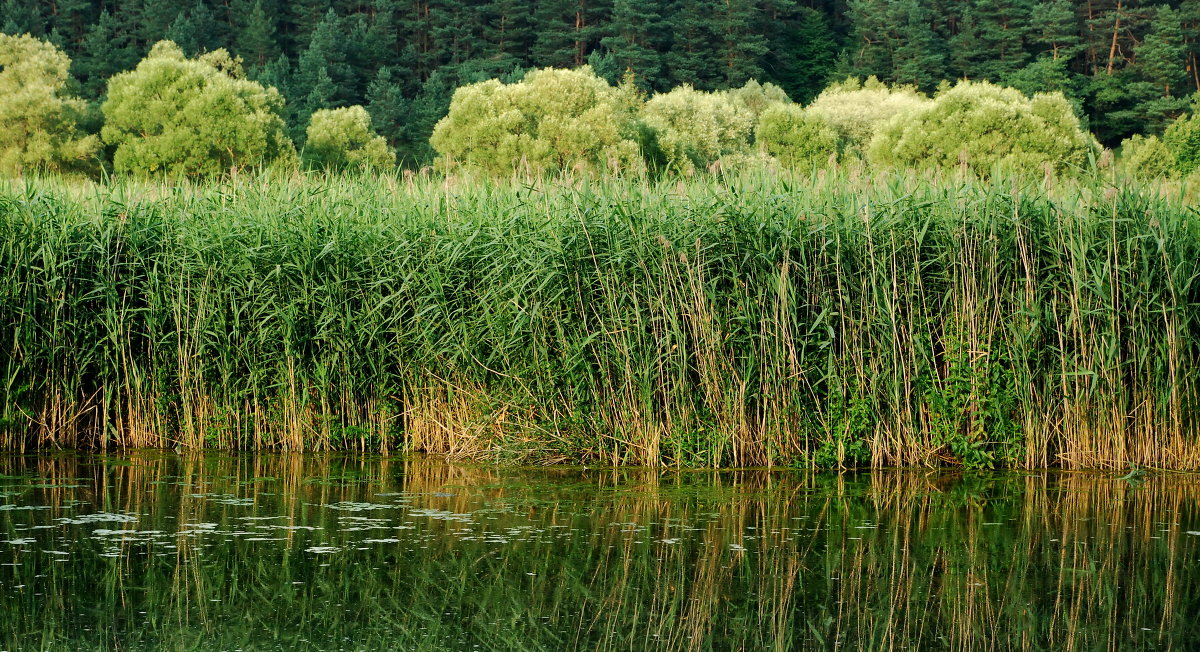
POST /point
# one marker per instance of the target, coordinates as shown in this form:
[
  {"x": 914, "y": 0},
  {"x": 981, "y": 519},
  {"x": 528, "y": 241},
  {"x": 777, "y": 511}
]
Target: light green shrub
[
  {"x": 343, "y": 138},
  {"x": 693, "y": 129},
  {"x": 795, "y": 138},
  {"x": 39, "y": 123},
  {"x": 1146, "y": 157},
  {"x": 759, "y": 97},
  {"x": 1182, "y": 138},
  {"x": 855, "y": 110},
  {"x": 983, "y": 126},
  {"x": 551, "y": 120},
  {"x": 200, "y": 116}
]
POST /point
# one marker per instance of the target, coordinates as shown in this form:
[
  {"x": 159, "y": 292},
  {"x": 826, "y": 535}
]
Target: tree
[
  {"x": 552, "y": 120},
  {"x": 1147, "y": 157},
  {"x": 691, "y": 59},
  {"x": 1054, "y": 29},
  {"x": 856, "y": 109},
  {"x": 802, "y": 56},
  {"x": 795, "y": 138},
  {"x": 1161, "y": 55},
  {"x": 40, "y": 120},
  {"x": 195, "y": 30},
  {"x": 694, "y": 129},
  {"x": 387, "y": 105},
  {"x": 106, "y": 50},
  {"x": 1182, "y": 138},
  {"x": 920, "y": 60},
  {"x": 343, "y": 139},
  {"x": 254, "y": 36},
  {"x": 183, "y": 116},
  {"x": 634, "y": 45},
  {"x": 741, "y": 46},
  {"x": 983, "y": 126}
]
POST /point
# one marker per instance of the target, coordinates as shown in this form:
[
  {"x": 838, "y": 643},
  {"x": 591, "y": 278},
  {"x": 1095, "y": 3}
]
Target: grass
[{"x": 830, "y": 320}]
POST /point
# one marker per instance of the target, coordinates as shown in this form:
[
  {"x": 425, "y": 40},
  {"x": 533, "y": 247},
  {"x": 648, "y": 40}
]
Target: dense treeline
[
  {"x": 1127, "y": 64},
  {"x": 809, "y": 320}
]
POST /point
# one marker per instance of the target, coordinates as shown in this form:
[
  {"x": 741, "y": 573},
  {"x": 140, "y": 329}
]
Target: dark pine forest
[{"x": 1128, "y": 65}]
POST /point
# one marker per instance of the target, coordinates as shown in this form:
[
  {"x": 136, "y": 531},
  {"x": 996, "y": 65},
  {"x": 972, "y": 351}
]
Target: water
[{"x": 157, "y": 551}]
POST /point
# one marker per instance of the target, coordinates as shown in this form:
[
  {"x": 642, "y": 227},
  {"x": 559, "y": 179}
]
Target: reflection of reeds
[
  {"x": 886, "y": 321},
  {"x": 617, "y": 558}
]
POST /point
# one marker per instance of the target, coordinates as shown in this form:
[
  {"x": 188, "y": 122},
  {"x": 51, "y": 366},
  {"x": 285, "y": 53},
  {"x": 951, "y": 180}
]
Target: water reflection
[{"x": 151, "y": 551}]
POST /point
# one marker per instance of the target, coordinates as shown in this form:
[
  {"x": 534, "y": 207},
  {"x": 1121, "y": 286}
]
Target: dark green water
[{"x": 156, "y": 551}]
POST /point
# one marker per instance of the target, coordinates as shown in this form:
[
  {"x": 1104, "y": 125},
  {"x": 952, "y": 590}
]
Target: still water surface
[{"x": 157, "y": 551}]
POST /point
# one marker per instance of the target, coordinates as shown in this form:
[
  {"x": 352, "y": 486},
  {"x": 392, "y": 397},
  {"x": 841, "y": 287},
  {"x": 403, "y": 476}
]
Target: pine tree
[
  {"x": 1055, "y": 29},
  {"x": 302, "y": 18},
  {"x": 691, "y": 58},
  {"x": 1161, "y": 55},
  {"x": 23, "y": 17},
  {"x": 508, "y": 30},
  {"x": 106, "y": 50},
  {"x": 1000, "y": 28},
  {"x": 323, "y": 65},
  {"x": 802, "y": 51},
  {"x": 554, "y": 42},
  {"x": 254, "y": 33},
  {"x": 871, "y": 40},
  {"x": 195, "y": 30},
  {"x": 920, "y": 59},
  {"x": 387, "y": 105},
  {"x": 634, "y": 44},
  {"x": 155, "y": 19},
  {"x": 741, "y": 47}
]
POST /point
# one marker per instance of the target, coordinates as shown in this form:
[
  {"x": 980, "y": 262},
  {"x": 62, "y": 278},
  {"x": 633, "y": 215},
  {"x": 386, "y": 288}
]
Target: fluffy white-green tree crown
[
  {"x": 694, "y": 129},
  {"x": 984, "y": 126},
  {"x": 551, "y": 120},
  {"x": 343, "y": 138},
  {"x": 200, "y": 116},
  {"x": 38, "y": 121},
  {"x": 855, "y": 109}
]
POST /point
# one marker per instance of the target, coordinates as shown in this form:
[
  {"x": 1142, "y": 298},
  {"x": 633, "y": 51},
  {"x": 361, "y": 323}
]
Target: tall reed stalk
[{"x": 823, "y": 320}]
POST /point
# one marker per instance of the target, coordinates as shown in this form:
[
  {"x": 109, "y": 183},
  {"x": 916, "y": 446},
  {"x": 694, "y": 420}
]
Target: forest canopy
[{"x": 1124, "y": 67}]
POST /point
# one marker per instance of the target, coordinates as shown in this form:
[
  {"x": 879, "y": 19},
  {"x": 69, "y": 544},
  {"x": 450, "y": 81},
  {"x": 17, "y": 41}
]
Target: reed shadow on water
[{"x": 151, "y": 550}]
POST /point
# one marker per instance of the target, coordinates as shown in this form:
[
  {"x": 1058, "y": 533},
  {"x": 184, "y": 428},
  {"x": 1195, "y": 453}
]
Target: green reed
[{"x": 827, "y": 320}]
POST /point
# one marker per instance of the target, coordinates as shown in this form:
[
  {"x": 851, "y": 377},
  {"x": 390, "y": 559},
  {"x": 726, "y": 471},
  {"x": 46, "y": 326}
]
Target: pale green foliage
[
  {"x": 857, "y": 109},
  {"x": 198, "y": 116},
  {"x": 759, "y": 97},
  {"x": 1146, "y": 157},
  {"x": 694, "y": 129},
  {"x": 982, "y": 126},
  {"x": 343, "y": 138},
  {"x": 795, "y": 137},
  {"x": 38, "y": 121},
  {"x": 1182, "y": 138},
  {"x": 551, "y": 120}
]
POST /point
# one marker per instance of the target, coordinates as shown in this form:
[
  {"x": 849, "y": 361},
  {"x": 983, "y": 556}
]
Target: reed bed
[{"x": 829, "y": 320}]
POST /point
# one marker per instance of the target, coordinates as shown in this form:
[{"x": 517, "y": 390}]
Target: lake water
[{"x": 261, "y": 552}]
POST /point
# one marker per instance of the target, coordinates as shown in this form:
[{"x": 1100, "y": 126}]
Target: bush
[
  {"x": 694, "y": 129},
  {"x": 199, "y": 116},
  {"x": 1147, "y": 157},
  {"x": 984, "y": 126},
  {"x": 795, "y": 138},
  {"x": 342, "y": 138},
  {"x": 551, "y": 120},
  {"x": 759, "y": 97},
  {"x": 855, "y": 110},
  {"x": 1182, "y": 138},
  {"x": 40, "y": 122}
]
